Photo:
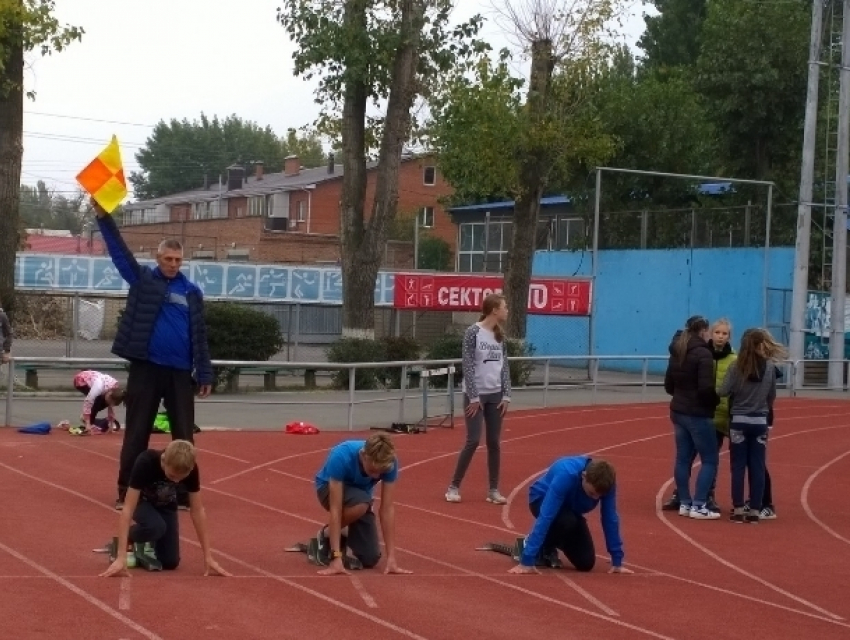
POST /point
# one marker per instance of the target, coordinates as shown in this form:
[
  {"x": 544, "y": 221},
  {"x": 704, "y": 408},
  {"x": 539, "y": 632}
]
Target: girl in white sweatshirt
[{"x": 486, "y": 393}]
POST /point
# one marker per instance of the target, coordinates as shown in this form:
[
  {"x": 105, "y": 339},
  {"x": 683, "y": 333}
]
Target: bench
[{"x": 269, "y": 378}]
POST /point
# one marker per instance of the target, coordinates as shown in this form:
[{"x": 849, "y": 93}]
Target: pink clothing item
[{"x": 98, "y": 384}]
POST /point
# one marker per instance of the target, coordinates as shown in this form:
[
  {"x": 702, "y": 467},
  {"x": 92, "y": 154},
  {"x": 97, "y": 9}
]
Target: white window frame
[
  {"x": 425, "y": 175},
  {"x": 426, "y": 218}
]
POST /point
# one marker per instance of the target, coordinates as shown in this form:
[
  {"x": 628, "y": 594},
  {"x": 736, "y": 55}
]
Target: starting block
[
  {"x": 311, "y": 550},
  {"x": 402, "y": 427},
  {"x": 515, "y": 551}
]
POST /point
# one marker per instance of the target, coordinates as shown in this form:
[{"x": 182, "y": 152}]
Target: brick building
[{"x": 287, "y": 217}]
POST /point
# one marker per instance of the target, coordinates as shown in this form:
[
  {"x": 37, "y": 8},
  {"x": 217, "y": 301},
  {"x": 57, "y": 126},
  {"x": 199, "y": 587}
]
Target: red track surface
[{"x": 781, "y": 579}]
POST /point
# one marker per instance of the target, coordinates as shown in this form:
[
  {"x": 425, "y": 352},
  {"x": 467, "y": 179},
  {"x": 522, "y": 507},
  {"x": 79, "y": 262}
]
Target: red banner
[{"x": 466, "y": 292}]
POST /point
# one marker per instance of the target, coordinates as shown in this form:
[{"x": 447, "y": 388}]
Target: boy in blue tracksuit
[{"x": 572, "y": 487}]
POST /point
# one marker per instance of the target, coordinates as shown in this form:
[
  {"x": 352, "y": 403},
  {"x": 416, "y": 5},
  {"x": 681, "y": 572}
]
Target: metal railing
[{"x": 552, "y": 374}]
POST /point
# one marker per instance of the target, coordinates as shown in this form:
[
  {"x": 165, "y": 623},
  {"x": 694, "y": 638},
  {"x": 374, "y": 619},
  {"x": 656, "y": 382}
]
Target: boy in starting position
[
  {"x": 151, "y": 501},
  {"x": 344, "y": 487},
  {"x": 572, "y": 487}
]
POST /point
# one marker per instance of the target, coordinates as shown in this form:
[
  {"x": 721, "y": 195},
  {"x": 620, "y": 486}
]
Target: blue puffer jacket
[{"x": 148, "y": 291}]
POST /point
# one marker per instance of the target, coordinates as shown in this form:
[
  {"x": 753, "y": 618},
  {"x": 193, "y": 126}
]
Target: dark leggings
[{"x": 489, "y": 416}]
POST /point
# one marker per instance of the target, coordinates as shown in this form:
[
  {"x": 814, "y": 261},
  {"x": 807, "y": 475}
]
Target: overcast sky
[{"x": 141, "y": 61}]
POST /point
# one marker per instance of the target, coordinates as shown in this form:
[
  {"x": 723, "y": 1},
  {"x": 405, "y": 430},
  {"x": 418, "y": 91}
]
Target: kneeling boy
[
  {"x": 151, "y": 502},
  {"x": 344, "y": 487},
  {"x": 572, "y": 487}
]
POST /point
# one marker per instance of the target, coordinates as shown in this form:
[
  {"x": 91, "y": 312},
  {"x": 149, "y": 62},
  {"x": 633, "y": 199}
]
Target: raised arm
[{"x": 122, "y": 257}]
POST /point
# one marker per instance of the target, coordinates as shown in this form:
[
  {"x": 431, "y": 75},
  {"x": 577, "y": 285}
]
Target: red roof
[{"x": 37, "y": 243}]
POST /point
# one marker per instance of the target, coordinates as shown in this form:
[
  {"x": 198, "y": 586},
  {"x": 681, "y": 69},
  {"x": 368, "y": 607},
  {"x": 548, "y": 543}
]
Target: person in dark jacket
[
  {"x": 163, "y": 335},
  {"x": 690, "y": 381}
]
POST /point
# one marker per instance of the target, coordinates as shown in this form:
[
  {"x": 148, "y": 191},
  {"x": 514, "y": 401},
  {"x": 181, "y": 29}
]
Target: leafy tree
[
  {"x": 659, "y": 124},
  {"x": 307, "y": 147},
  {"x": 672, "y": 37},
  {"x": 751, "y": 72},
  {"x": 495, "y": 141},
  {"x": 179, "y": 155},
  {"x": 25, "y": 26},
  {"x": 42, "y": 208},
  {"x": 435, "y": 254},
  {"x": 378, "y": 51}
]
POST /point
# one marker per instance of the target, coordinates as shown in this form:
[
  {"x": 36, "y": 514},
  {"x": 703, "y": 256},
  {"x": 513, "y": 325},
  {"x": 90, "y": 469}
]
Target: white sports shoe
[{"x": 453, "y": 494}]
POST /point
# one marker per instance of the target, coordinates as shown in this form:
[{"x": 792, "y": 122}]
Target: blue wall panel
[{"x": 643, "y": 297}]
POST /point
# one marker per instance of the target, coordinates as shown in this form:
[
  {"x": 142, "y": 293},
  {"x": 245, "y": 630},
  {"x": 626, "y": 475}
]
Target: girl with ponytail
[{"x": 486, "y": 393}]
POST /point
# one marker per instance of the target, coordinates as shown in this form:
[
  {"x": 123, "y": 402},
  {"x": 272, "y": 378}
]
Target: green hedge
[
  {"x": 450, "y": 347},
  {"x": 365, "y": 350}
]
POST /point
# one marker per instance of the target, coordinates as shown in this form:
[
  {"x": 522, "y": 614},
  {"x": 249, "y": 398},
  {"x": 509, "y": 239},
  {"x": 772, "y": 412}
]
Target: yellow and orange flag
[{"x": 103, "y": 178}]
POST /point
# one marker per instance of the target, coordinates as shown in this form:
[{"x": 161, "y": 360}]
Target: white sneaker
[
  {"x": 685, "y": 510},
  {"x": 453, "y": 494},
  {"x": 703, "y": 513},
  {"x": 496, "y": 498}
]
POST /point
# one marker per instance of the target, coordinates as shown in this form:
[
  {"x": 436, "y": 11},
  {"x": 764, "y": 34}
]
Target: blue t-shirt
[
  {"x": 171, "y": 341},
  {"x": 343, "y": 464}
]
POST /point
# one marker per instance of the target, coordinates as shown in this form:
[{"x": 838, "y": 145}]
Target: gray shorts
[{"x": 362, "y": 537}]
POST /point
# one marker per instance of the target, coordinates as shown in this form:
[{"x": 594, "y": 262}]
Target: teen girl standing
[
  {"x": 751, "y": 381},
  {"x": 690, "y": 381},
  {"x": 486, "y": 393}
]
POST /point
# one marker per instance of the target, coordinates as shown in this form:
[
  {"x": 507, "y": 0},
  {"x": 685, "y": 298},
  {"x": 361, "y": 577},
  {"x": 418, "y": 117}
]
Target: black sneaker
[
  {"x": 712, "y": 505},
  {"x": 549, "y": 558},
  {"x": 672, "y": 504},
  {"x": 323, "y": 547}
]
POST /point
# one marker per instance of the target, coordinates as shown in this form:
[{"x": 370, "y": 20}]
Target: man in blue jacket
[
  {"x": 572, "y": 487},
  {"x": 163, "y": 335}
]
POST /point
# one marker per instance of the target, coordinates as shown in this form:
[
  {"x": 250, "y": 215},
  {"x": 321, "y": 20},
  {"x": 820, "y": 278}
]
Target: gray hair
[{"x": 172, "y": 244}]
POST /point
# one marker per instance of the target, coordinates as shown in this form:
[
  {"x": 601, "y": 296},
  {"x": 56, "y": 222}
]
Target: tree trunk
[
  {"x": 11, "y": 153},
  {"x": 534, "y": 168},
  {"x": 354, "y": 281},
  {"x": 362, "y": 243}
]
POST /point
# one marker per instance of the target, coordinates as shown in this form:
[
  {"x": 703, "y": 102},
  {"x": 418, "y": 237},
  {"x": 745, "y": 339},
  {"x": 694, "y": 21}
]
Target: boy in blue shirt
[
  {"x": 572, "y": 487},
  {"x": 344, "y": 487}
]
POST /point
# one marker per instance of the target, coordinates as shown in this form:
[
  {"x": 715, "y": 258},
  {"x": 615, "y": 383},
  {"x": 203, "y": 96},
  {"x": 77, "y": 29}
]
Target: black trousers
[
  {"x": 147, "y": 385},
  {"x": 569, "y": 533},
  {"x": 161, "y": 528}
]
